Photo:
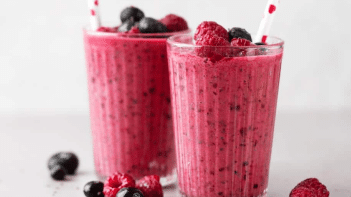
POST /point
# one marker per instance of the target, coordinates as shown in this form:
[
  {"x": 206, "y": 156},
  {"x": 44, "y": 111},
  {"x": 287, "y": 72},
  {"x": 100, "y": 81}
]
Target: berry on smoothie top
[
  {"x": 215, "y": 42},
  {"x": 211, "y": 33},
  {"x": 133, "y": 20}
]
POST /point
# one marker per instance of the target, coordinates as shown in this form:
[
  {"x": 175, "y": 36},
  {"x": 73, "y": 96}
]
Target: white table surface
[{"x": 306, "y": 144}]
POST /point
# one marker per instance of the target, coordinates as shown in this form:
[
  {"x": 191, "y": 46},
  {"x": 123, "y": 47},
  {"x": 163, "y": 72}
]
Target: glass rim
[
  {"x": 172, "y": 41},
  {"x": 87, "y": 29}
]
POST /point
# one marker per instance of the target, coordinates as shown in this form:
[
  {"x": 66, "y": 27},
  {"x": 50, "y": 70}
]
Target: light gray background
[
  {"x": 42, "y": 66},
  {"x": 44, "y": 101}
]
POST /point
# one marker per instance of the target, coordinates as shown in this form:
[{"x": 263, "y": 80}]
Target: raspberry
[
  {"x": 207, "y": 26},
  {"x": 174, "y": 23},
  {"x": 116, "y": 182},
  {"x": 107, "y": 29},
  {"x": 310, "y": 188},
  {"x": 241, "y": 42},
  {"x": 211, "y": 39},
  {"x": 134, "y": 30},
  {"x": 214, "y": 53},
  {"x": 150, "y": 186}
]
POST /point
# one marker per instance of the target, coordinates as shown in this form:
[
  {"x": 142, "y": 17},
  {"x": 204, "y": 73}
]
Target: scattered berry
[
  {"x": 174, "y": 23},
  {"x": 57, "y": 172},
  {"x": 131, "y": 11},
  {"x": 116, "y": 182},
  {"x": 150, "y": 25},
  {"x": 107, "y": 29},
  {"x": 240, "y": 42},
  {"x": 127, "y": 25},
  {"x": 309, "y": 188},
  {"x": 237, "y": 32},
  {"x": 210, "y": 26},
  {"x": 260, "y": 43},
  {"x": 67, "y": 160},
  {"x": 94, "y": 189},
  {"x": 129, "y": 192},
  {"x": 150, "y": 186}
]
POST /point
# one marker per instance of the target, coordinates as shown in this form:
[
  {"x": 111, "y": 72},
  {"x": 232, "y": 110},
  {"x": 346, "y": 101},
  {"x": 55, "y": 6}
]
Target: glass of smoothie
[
  {"x": 224, "y": 95},
  {"x": 129, "y": 97}
]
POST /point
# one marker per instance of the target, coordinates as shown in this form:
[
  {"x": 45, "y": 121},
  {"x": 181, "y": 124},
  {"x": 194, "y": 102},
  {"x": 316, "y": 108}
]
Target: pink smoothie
[
  {"x": 130, "y": 109},
  {"x": 224, "y": 114}
]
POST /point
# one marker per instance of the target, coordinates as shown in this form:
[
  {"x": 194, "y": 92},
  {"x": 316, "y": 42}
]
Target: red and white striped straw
[
  {"x": 265, "y": 26},
  {"x": 94, "y": 14}
]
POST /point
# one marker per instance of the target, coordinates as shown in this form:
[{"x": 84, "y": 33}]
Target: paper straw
[
  {"x": 94, "y": 14},
  {"x": 266, "y": 22}
]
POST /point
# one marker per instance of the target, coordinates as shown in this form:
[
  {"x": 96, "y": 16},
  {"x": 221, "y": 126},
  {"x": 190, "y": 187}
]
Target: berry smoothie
[
  {"x": 129, "y": 96},
  {"x": 224, "y": 111}
]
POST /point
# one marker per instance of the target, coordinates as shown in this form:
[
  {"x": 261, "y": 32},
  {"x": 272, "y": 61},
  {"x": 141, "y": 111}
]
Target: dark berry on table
[
  {"x": 260, "y": 43},
  {"x": 58, "y": 172},
  {"x": 67, "y": 160},
  {"x": 94, "y": 189},
  {"x": 127, "y": 25},
  {"x": 150, "y": 25},
  {"x": 174, "y": 23},
  {"x": 129, "y": 192},
  {"x": 237, "y": 32},
  {"x": 131, "y": 11}
]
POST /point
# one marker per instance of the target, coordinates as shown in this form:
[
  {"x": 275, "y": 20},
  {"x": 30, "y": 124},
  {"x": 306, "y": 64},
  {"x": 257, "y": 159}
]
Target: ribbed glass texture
[
  {"x": 224, "y": 113},
  {"x": 130, "y": 107}
]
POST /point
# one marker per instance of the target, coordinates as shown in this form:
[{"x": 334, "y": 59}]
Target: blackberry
[
  {"x": 94, "y": 189},
  {"x": 127, "y": 25},
  {"x": 237, "y": 32},
  {"x": 131, "y": 11},
  {"x": 150, "y": 25},
  {"x": 129, "y": 192},
  {"x": 57, "y": 172},
  {"x": 67, "y": 160}
]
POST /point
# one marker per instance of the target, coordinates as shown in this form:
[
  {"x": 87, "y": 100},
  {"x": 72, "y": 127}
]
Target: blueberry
[
  {"x": 260, "y": 43},
  {"x": 237, "y": 32},
  {"x": 131, "y": 11},
  {"x": 129, "y": 192},
  {"x": 57, "y": 172},
  {"x": 150, "y": 25},
  {"x": 94, "y": 189},
  {"x": 127, "y": 25},
  {"x": 67, "y": 160}
]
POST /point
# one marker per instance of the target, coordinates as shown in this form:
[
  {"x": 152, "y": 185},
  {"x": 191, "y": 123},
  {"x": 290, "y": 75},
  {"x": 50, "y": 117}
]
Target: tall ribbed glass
[
  {"x": 224, "y": 111},
  {"x": 130, "y": 109}
]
